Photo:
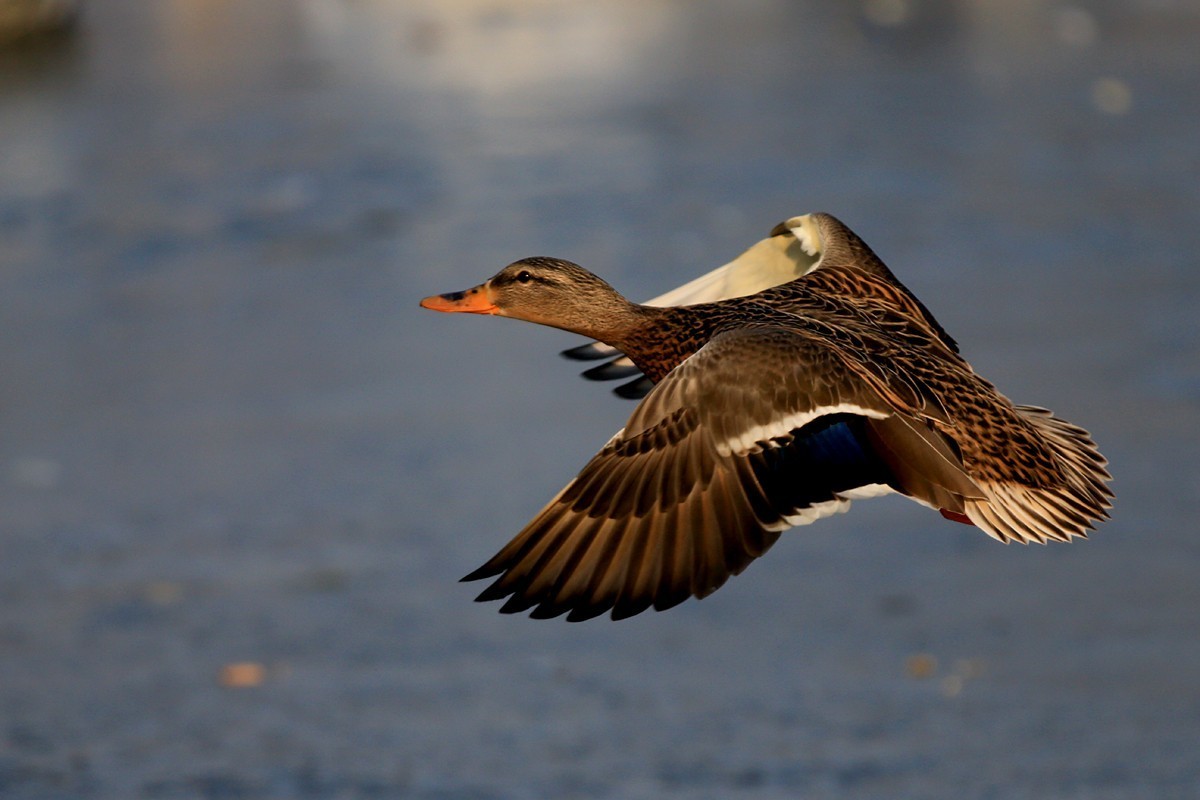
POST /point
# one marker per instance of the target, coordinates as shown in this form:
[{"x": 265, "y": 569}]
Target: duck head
[{"x": 548, "y": 291}]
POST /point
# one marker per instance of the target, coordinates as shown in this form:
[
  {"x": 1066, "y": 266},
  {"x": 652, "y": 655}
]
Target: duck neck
[
  {"x": 622, "y": 324},
  {"x": 658, "y": 339}
]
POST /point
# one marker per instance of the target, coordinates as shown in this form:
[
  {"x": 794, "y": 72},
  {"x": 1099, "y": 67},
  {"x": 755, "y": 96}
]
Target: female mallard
[{"x": 767, "y": 411}]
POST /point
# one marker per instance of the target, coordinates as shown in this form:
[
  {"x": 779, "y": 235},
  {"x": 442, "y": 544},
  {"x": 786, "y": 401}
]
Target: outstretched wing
[
  {"x": 760, "y": 430},
  {"x": 842, "y": 247}
]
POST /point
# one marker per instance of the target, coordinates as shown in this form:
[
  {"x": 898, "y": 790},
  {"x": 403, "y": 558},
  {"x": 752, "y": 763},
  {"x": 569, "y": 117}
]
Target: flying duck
[{"x": 767, "y": 410}]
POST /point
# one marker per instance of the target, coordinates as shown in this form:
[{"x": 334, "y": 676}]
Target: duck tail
[{"x": 1015, "y": 512}]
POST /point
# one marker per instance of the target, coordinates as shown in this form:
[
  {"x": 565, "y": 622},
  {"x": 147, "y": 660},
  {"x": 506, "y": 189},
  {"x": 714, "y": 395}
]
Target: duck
[{"x": 767, "y": 411}]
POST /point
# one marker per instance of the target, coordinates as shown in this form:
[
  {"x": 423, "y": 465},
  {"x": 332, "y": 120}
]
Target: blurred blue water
[{"x": 228, "y": 434}]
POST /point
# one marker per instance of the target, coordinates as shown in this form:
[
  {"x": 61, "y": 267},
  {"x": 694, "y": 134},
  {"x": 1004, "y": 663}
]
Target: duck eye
[{"x": 524, "y": 277}]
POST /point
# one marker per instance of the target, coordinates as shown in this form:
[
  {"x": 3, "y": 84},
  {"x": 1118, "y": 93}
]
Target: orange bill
[{"x": 471, "y": 301}]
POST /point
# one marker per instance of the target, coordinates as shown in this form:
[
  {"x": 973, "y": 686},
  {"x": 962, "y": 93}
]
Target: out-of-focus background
[{"x": 241, "y": 471}]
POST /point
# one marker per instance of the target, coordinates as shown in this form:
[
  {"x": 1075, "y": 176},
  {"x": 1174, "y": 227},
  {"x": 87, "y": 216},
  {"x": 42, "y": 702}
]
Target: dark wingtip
[
  {"x": 626, "y": 608},
  {"x": 611, "y": 371},
  {"x": 492, "y": 592},
  {"x": 547, "y": 611},
  {"x": 591, "y": 351},
  {"x": 516, "y": 604},
  {"x": 670, "y": 600},
  {"x": 486, "y": 571},
  {"x": 634, "y": 390},
  {"x": 582, "y": 613}
]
